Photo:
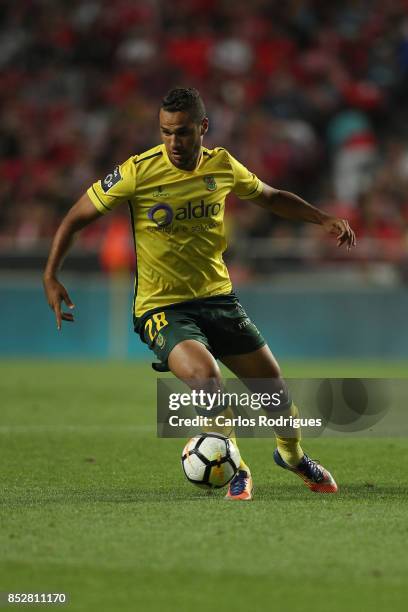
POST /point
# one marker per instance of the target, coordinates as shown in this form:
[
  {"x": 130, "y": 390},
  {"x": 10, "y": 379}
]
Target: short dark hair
[{"x": 185, "y": 99}]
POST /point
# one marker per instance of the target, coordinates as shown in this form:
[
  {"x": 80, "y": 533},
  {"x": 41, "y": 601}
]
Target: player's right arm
[
  {"x": 80, "y": 215},
  {"x": 102, "y": 197}
]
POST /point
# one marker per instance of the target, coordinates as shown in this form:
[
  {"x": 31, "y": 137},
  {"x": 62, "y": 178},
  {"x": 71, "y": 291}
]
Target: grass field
[{"x": 93, "y": 504}]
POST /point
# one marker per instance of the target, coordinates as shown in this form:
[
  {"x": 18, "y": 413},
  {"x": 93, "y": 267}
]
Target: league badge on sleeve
[{"x": 111, "y": 179}]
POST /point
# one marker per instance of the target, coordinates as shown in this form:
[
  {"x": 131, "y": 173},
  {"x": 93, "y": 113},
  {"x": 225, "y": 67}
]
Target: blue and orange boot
[
  {"x": 240, "y": 487},
  {"x": 314, "y": 475}
]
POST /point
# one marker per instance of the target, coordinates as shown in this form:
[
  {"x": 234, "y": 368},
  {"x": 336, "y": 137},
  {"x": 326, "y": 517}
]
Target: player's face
[{"x": 182, "y": 138}]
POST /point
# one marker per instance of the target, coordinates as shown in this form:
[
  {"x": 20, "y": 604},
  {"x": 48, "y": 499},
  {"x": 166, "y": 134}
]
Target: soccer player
[{"x": 184, "y": 306}]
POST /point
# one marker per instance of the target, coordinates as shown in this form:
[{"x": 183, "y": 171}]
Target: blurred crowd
[{"x": 311, "y": 95}]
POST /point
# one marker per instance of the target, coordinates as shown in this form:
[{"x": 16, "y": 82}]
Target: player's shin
[
  {"x": 288, "y": 439},
  {"x": 288, "y": 434}
]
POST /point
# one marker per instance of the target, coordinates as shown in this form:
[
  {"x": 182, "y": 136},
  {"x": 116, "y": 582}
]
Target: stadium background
[{"x": 312, "y": 96}]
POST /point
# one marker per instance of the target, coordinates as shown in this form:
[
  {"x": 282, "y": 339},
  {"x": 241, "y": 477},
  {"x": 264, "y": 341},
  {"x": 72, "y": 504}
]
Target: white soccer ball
[{"x": 210, "y": 460}]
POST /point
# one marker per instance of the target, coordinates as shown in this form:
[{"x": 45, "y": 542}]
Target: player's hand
[
  {"x": 56, "y": 293},
  {"x": 342, "y": 230}
]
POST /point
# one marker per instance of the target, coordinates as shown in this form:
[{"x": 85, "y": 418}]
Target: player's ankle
[
  {"x": 292, "y": 453},
  {"x": 243, "y": 466}
]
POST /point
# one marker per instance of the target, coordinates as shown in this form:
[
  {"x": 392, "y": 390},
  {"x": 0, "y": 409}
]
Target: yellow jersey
[{"x": 178, "y": 222}]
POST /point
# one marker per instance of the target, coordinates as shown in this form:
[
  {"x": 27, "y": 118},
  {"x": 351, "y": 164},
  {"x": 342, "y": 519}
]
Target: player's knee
[
  {"x": 202, "y": 371},
  {"x": 193, "y": 362},
  {"x": 277, "y": 388},
  {"x": 276, "y": 371}
]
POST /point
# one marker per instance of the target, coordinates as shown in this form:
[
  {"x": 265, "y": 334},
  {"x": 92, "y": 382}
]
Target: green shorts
[{"x": 219, "y": 322}]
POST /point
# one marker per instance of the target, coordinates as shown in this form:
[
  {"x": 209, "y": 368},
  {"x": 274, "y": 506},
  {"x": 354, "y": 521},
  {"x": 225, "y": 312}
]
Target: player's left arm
[{"x": 292, "y": 207}]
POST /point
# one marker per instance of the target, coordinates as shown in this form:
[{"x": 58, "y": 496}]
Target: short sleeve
[
  {"x": 117, "y": 186},
  {"x": 246, "y": 184}
]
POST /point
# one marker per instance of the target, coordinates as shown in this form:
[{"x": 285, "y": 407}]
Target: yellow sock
[
  {"x": 229, "y": 432},
  {"x": 289, "y": 446},
  {"x": 242, "y": 465}
]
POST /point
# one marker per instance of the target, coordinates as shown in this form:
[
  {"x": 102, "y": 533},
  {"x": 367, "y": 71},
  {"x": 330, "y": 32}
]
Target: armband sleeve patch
[{"x": 111, "y": 179}]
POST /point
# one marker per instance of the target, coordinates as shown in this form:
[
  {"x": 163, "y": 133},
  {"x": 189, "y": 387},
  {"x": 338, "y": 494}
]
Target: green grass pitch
[{"x": 93, "y": 504}]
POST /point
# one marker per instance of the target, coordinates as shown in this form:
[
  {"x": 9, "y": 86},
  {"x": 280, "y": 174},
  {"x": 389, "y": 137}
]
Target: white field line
[{"x": 91, "y": 429}]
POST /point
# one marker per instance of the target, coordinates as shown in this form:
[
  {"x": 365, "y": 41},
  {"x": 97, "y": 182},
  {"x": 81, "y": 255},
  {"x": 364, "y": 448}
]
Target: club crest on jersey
[
  {"x": 111, "y": 179},
  {"x": 209, "y": 180}
]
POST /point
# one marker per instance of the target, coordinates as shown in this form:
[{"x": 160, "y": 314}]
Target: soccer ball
[{"x": 210, "y": 460}]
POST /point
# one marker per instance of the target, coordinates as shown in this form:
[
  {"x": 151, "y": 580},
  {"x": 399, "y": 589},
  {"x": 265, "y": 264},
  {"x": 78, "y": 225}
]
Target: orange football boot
[
  {"x": 240, "y": 487},
  {"x": 314, "y": 475}
]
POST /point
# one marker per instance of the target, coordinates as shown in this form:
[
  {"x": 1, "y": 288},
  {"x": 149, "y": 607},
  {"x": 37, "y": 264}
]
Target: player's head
[{"x": 183, "y": 123}]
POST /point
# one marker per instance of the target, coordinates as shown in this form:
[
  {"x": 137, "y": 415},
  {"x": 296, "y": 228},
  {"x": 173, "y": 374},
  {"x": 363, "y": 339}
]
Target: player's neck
[{"x": 194, "y": 162}]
